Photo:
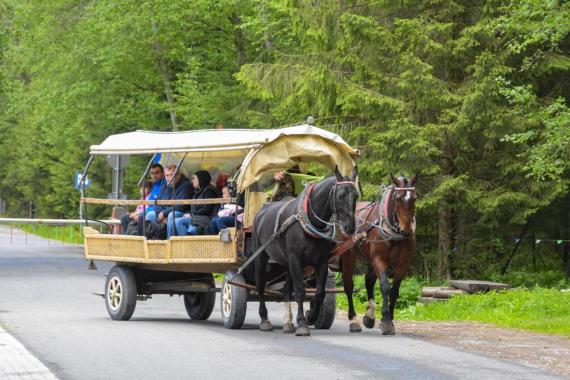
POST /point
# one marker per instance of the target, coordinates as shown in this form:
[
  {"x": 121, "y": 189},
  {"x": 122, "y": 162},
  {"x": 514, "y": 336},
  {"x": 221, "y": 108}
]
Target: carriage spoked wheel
[
  {"x": 199, "y": 305},
  {"x": 120, "y": 293},
  {"x": 233, "y": 301},
  {"x": 328, "y": 308}
]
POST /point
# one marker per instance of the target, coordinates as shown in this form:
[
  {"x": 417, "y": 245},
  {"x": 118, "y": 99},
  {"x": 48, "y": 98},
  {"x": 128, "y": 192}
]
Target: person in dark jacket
[
  {"x": 178, "y": 189},
  {"x": 203, "y": 189},
  {"x": 199, "y": 215}
]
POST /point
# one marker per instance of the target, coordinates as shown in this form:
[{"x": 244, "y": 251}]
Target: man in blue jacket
[{"x": 158, "y": 183}]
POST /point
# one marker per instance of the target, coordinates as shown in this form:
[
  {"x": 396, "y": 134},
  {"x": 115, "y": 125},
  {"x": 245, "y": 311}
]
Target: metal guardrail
[
  {"x": 27, "y": 236},
  {"x": 56, "y": 221}
]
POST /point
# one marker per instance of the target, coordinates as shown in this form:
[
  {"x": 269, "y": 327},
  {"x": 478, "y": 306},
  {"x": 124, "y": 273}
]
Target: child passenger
[{"x": 226, "y": 215}]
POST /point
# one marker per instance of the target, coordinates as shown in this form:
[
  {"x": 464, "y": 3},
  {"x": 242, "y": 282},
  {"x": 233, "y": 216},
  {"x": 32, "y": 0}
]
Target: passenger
[
  {"x": 182, "y": 190},
  {"x": 226, "y": 214},
  {"x": 199, "y": 215},
  {"x": 158, "y": 183},
  {"x": 128, "y": 218},
  {"x": 285, "y": 186},
  {"x": 221, "y": 181}
]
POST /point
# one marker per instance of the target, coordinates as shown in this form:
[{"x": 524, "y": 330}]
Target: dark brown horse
[{"x": 388, "y": 247}]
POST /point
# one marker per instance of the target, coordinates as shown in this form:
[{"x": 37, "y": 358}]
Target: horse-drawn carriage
[{"x": 184, "y": 265}]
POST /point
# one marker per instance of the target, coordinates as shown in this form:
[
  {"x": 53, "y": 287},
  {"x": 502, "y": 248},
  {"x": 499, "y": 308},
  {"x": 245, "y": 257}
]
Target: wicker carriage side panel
[
  {"x": 158, "y": 250},
  {"x": 119, "y": 247},
  {"x": 202, "y": 249}
]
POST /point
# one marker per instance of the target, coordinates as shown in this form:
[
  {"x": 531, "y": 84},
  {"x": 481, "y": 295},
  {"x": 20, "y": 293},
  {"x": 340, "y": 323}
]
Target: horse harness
[
  {"x": 386, "y": 223},
  {"x": 302, "y": 216}
]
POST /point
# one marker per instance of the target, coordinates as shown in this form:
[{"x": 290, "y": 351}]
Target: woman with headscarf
[{"x": 203, "y": 189}]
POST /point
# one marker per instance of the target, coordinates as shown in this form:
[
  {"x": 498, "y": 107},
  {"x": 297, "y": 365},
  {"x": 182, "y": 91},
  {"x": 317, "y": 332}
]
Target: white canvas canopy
[
  {"x": 208, "y": 140},
  {"x": 258, "y": 150}
]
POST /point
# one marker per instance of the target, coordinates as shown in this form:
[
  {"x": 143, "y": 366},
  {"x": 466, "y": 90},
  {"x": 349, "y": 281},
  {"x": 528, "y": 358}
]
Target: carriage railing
[{"x": 170, "y": 202}]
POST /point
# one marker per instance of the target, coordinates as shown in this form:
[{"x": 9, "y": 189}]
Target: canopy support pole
[
  {"x": 82, "y": 206},
  {"x": 173, "y": 181},
  {"x": 143, "y": 181}
]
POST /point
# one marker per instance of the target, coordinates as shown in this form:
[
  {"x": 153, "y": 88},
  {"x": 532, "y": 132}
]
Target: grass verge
[
  {"x": 68, "y": 233},
  {"x": 536, "y": 309}
]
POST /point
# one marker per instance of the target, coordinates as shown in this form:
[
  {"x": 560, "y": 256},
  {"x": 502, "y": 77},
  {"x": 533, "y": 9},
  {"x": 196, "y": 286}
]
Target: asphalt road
[{"x": 46, "y": 303}]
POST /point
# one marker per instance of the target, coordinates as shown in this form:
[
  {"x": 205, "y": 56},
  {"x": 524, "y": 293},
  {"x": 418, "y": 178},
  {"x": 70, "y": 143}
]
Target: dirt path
[{"x": 548, "y": 352}]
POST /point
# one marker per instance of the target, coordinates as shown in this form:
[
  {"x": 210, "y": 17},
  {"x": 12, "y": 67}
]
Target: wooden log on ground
[
  {"x": 448, "y": 293},
  {"x": 427, "y": 300},
  {"x": 474, "y": 286},
  {"x": 428, "y": 291}
]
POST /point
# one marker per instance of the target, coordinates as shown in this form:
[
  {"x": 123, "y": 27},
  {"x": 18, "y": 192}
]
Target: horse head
[
  {"x": 344, "y": 202},
  {"x": 404, "y": 202}
]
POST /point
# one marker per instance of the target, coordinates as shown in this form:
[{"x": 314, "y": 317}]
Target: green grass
[
  {"x": 538, "y": 309},
  {"x": 68, "y": 234},
  {"x": 535, "y": 308}
]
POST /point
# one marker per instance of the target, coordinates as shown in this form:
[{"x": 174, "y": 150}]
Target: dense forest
[{"x": 472, "y": 94}]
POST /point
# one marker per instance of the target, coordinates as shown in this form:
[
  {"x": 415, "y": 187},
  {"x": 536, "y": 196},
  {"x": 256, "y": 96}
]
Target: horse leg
[
  {"x": 288, "y": 327},
  {"x": 296, "y": 273},
  {"x": 260, "y": 281},
  {"x": 394, "y": 293},
  {"x": 386, "y": 324},
  {"x": 370, "y": 316},
  {"x": 322, "y": 274},
  {"x": 348, "y": 283}
]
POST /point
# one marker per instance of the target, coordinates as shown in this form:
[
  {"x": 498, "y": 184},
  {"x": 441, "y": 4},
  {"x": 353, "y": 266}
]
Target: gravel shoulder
[{"x": 543, "y": 351}]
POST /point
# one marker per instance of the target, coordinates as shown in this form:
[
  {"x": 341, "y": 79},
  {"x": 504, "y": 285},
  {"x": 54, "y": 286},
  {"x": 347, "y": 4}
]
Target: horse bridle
[
  {"x": 329, "y": 226},
  {"x": 389, "y": 230},
  {"x": 393, "y": 231}
]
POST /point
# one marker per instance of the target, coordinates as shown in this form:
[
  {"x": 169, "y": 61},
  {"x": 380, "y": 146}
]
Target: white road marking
[{"x": 18, "y": 363}]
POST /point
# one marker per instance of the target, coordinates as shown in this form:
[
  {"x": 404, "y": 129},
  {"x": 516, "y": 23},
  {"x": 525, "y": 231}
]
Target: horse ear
[
  {"x": 414, "y": 179},
  {"x": 354, "y": 173},
  {"x": 337, "y": 174},
  {"x": 394, "y": 179}
]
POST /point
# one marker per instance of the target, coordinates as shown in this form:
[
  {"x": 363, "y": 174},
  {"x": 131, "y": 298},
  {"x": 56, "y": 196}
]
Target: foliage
[
  {"x": 537, "y": 309},
  {"x": 529, "y": 279},
  {"x": 472, "y": 94}
]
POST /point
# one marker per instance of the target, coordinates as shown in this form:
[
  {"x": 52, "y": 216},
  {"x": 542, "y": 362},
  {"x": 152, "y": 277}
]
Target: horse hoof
[
  {"x": 303, "y": 331},
  {"x": 354, "y": 327},
  {"x": 387, "y": 328},
  {"x": 288, "y": 328},
  {"x": 368, "y": 322},
  {"x": 309, "y": 317},
  {"x": 266, "y": 326}
]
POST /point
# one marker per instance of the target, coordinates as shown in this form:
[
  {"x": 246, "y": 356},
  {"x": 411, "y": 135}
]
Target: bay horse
[
  {"x": 304, "y": 229},
  {"x": 389, "y": 246}
]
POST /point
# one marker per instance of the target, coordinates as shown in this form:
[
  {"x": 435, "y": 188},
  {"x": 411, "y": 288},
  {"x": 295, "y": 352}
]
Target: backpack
[
  {"x": 132, "y": 228},
  {"x": 155, "y": 231}
]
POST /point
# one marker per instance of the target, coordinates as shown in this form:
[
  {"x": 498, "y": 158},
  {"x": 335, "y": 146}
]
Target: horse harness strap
[
  {"x": 279, "y": 229},
  {"x": 303, "y": 212},
  {"x": 389, "y": 228}
]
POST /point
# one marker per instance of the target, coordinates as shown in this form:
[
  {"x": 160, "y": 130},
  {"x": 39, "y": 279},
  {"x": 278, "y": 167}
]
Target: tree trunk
[
  {"x": 165, "y": 75},
  {"x": 239, "y": 39},
  {"x": 445, "y": 224},
  {"x": 566, "y": 252}
]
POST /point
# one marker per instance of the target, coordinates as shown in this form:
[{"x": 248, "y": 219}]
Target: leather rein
[{"x": 305, "y": 207}]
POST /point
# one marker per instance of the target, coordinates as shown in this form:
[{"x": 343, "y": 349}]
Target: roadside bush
[{"x": 529, "y": 279}]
